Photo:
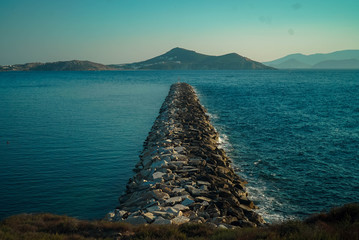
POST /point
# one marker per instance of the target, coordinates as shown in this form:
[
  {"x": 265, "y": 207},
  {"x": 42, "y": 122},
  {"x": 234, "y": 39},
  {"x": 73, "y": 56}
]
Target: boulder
[
  {"x": 178, "y": 190},
  {"x": 180, "y": 220},
  {"x": 213, "y": 211},
  {"x": 179, "y": 149},
  {"x": 149, "y": 217},
  {"x": 187, "y": 201},
  {"x": 153, "y": 208},
  {"x": 194, "y": 191},
  {"x": 201, "y": 199},
  {"x": 162, "y": 221},
  {"x": 180, "y": 207},
  {"x": 255, "y": 218},
  {"x": 173, "y": 200},
  {"x": 222, "y": 226},
  {"x": 203, "y": 183},
  {"x": 162, "y": 214},
  {"x": 110, "y": 216},
  {"x": 121, "y": 213},
  {"x": 172, "y": 211},
  {"x": 136, "y": 220},
  {"x": 159, "y": 195}
]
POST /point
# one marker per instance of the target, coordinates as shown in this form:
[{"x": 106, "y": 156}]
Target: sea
[{"x": 69, "y": 140}]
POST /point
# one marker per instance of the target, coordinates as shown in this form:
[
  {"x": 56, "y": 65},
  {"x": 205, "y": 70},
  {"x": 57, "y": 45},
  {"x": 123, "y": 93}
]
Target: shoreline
[{"x": 182, "y": 175}]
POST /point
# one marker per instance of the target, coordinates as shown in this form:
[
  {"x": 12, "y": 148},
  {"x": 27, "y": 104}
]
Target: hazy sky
[{"x": 121, "y": 31}]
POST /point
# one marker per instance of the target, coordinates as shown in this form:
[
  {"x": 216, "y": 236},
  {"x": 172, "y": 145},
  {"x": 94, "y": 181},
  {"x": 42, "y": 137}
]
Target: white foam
[
  {"x": 224, "y": 143},
  {"x": 212, "y": 116},
  {"x": 269, "y": 207}
]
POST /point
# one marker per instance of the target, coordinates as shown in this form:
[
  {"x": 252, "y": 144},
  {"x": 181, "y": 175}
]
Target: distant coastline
[
  {"x": 175, "y": 59},
  {"x": 74, "y": 65},
  {"x": 183, "y": 59}
]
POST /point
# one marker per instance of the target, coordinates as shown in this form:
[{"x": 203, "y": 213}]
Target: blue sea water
[{"x": 69, "y": 140}]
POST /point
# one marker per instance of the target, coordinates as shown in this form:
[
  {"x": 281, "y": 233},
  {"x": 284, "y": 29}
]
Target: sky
[{"x": 125, "y": 31}]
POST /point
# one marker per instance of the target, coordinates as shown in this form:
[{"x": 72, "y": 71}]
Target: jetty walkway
[{"x": 183, "y": 175}]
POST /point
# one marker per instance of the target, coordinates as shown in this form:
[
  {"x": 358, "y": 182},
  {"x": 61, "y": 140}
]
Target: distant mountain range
[
  {"x": 175, "y": 59},
  {"x": 346, "y": 59},
  {"x": 182, "y": 59}
]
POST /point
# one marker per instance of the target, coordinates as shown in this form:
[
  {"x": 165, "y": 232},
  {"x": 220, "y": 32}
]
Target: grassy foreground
[{"x": 339, "y": 223}]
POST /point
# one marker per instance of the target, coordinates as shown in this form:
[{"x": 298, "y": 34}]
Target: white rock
[
  {"x": 222, "y": 226},
  {"x": 180, "y": 157},
  {"x": 159, "y": 194},
  {"x": 174, "y": 200},
  {"x": 153, "y": 208},
  {"x": 137, "y": 213},
  {"x": 205, "y": 203},
  {"x": 171, "y": 211},
  {"x": 120, "y": 213},
  {"x": 178, "y": 190},
  {"x": 178, "y": 164},
  {"x": 158, "y": 164},
  {"x": 161, "y": 221},
  {"x": 180, "y": 207},
  {"x": 203, "y": 183},
  {"x": 157, "y": 175},
  {"x": 179, "y": 149},
  {"x": 162, "y": 214},
  {"x": 194, "y": 191},
  {"x": 149, "y": 217},
  {"x": 203, "y": 199},
  {"x": 166, "y": 158},
  {"x": 165, "y": 151},
  {"x": 180, "y": 220},
  {"x": 109, "y": 216}
]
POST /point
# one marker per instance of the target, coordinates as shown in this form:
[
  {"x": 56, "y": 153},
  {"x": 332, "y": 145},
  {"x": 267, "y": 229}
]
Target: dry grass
[
  {"x": 340, "y": 223},
  {"x": 49, "y": 226}
]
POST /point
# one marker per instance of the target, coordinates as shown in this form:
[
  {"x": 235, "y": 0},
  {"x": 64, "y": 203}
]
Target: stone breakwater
[{"x": 183, "y": 175}]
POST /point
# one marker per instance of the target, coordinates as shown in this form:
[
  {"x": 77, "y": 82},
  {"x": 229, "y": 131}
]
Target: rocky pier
[{"x": 183, "y": 175}]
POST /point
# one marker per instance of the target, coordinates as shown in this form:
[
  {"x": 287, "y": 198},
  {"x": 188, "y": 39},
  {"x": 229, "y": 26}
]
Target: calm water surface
[{"x": 69, "y": 140}]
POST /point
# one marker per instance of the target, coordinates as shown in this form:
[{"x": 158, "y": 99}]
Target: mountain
[
  {"x": 338, "y": 64},
  {"x": 182, "y": 59},
  {"x": 299, "y": 61},
  {"x": 74, "y": 65},
  {"x": 292, "y": 64},
  {"x": 175, "y": 59}
]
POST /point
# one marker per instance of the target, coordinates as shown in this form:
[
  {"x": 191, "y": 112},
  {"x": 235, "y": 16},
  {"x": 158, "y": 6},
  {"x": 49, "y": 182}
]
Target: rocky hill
[
  {"x": 183, "y": 59},
  {"x": 175, "y": 59},
  {"x": 74, "y": 65}
]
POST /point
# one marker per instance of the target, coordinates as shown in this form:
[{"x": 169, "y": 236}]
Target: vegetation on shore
[{"x": 339, "y": 223}]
